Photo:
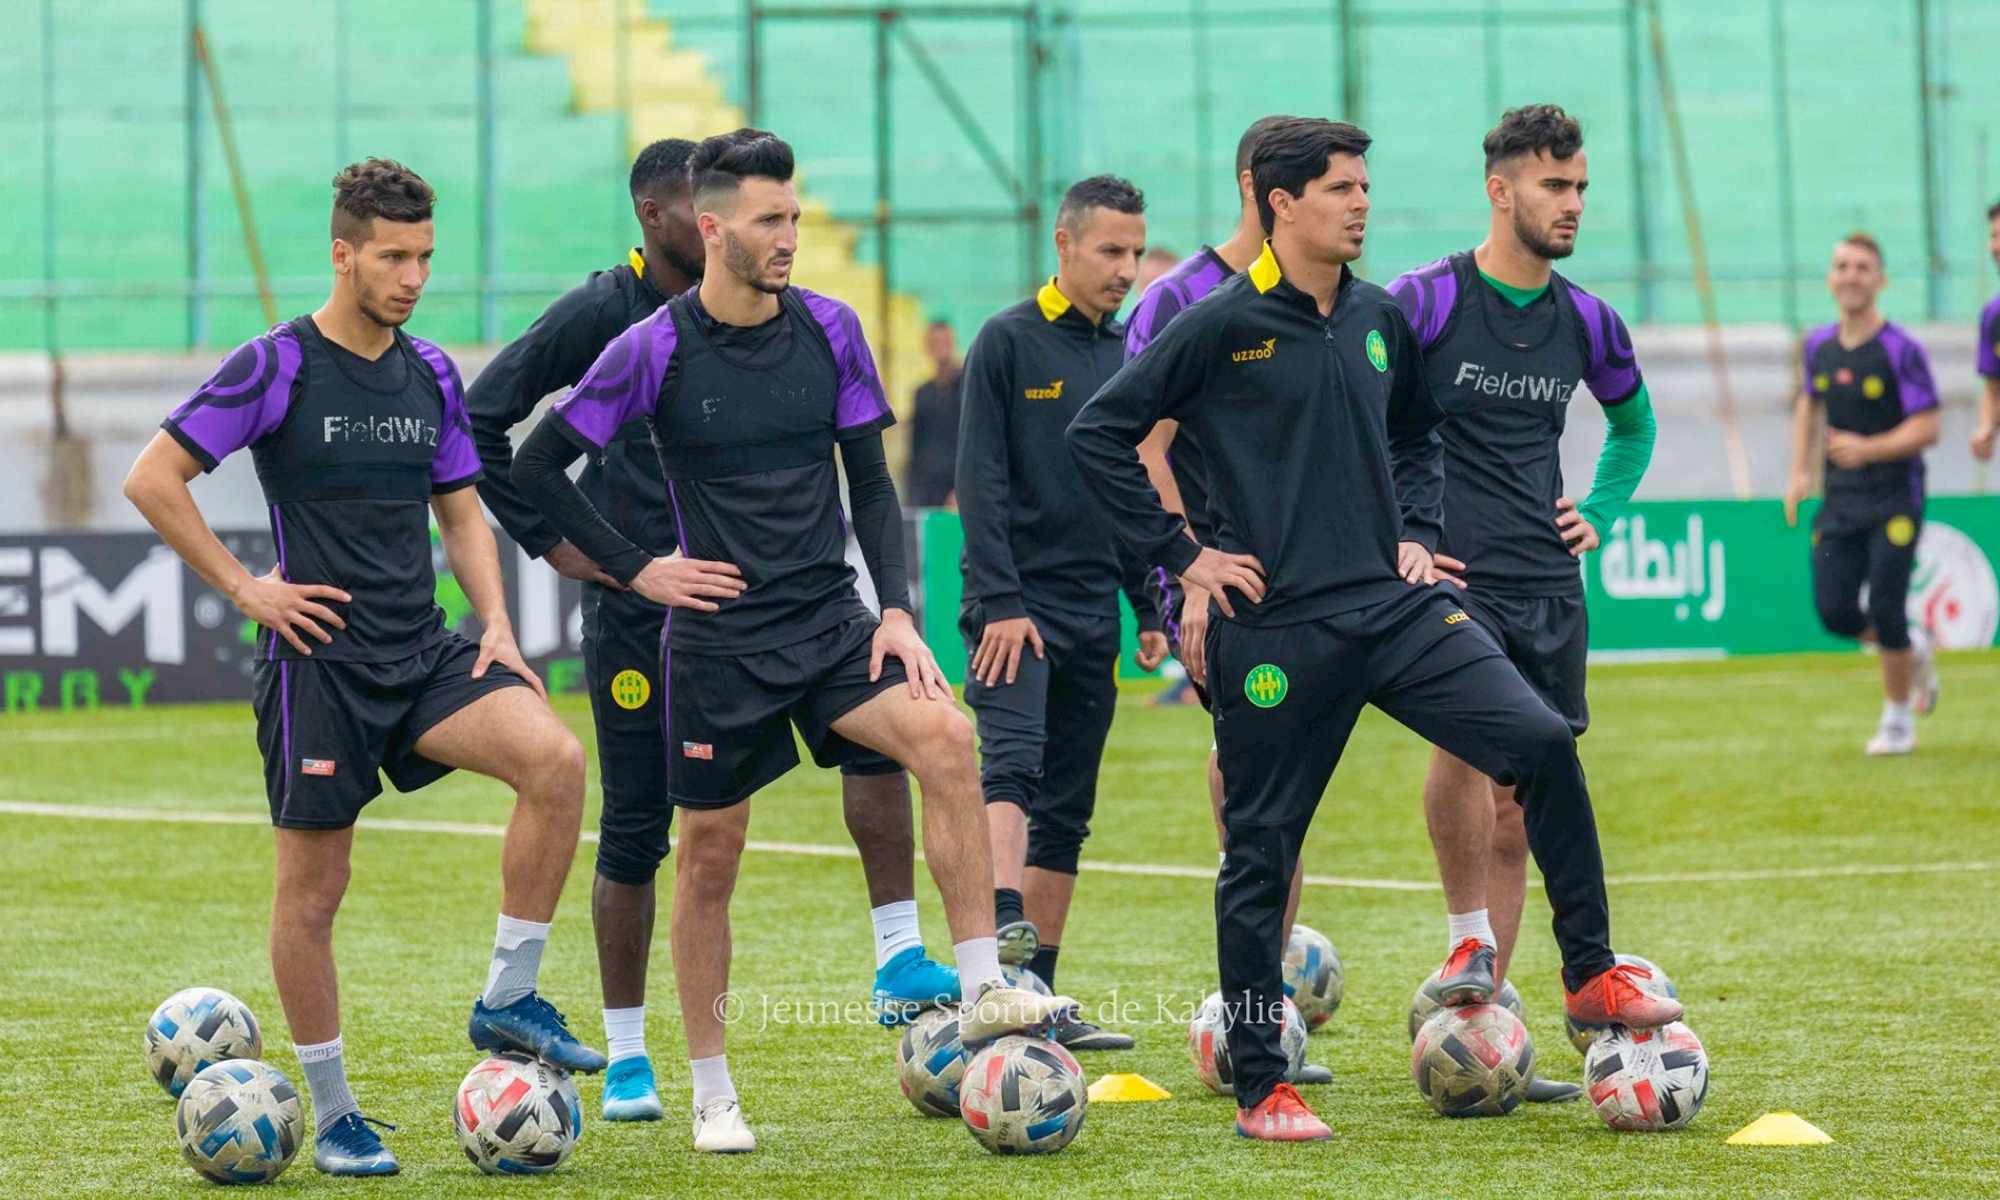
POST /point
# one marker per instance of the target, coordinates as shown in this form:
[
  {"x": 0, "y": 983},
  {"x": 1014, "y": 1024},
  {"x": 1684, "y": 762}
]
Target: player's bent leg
[
  {"x": 875, "y": 801},
  {"x": 1458, "y": 811},
  {"x": 1012, "y": 724}
]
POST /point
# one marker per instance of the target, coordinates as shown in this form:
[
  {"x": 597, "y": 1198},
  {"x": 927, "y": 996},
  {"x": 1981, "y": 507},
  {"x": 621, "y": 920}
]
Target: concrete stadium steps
[{"x": 672, "y": 93}]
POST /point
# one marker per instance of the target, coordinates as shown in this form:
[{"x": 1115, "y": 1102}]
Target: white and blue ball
[
  {"x": 1314, "y": 978},
  {"x": 1023, "y": 1095},
  {"x": 194, "y": 1029},
  {"x": 239, "y": 1121},
  {"x": 930, "y": 1061}
]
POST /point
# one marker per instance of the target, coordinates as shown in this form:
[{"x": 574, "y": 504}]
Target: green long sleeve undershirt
[{"x": 1629, "y": 432}]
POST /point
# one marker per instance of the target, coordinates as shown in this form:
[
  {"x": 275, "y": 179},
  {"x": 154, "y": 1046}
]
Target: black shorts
[
  {"x": 1548, "y": 640},
  {"x": 329, "y": 730},
  {"x": 1857, "y": 546},
  {"x": 621, "y": 667},
  {"x": 728, "y": 722}
]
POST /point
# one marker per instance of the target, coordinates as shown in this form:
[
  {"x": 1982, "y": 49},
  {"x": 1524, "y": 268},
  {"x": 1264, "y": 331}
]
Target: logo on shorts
[
  {"x": 1900, "y": 531},
  {"x": 316, "y": 766},
  {"x": 630, "y": 689},
  {"x": 1872, "y": 387},
  {"x": 1266, "y": 685},
  {"x": 1051, "y": 392},
  {"x": 1269, "y": 349},
  {"x": 1378, "y": 350},
  {"x": 1455, "y": 617},
  {"x": 702, "y": 750}
]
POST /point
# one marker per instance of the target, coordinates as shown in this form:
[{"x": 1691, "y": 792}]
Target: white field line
[{"x": 92, "y": 812}]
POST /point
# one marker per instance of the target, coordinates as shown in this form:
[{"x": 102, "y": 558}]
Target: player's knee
[
  {"x": 630, "y": 860},
  {"x": 942, "y": 743},
  {"x": 1545, "y": 738},
  {"x": 1842, "y": 618},
  {"x": 1055, "y": 841},
  {"x": 1891, "y": 622}
]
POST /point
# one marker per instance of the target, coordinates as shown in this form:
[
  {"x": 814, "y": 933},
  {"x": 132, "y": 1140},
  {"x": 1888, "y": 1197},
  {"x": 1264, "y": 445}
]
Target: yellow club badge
[
  {"x": 1872, "y": 387},
  {"x": 630, "y": 689},
  {"x": 1900, "y": 531}
]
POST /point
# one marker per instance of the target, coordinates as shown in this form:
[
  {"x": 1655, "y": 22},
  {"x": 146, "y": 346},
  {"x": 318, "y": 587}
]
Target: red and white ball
[{"x": 1645, "y": 1080}]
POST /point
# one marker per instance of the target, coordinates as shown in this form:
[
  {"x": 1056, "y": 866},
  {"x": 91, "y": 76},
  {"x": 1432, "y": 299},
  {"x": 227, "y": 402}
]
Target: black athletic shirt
[
  {"x": 1033, "y": 532},
  {"x": 623, "y": 479},
  {"x": 744, "y": 420},
  {"x": 1870, "y": 389},
  {"x": 1188, "y": 281},
  {"x": 349, "y": 453},
  {"x": 1504, "y": 375},
  {"x": 1320, "y": 433}
]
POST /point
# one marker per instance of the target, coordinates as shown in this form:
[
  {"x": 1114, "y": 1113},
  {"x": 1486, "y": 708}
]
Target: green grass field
[{"x": 1828, "y": 919}]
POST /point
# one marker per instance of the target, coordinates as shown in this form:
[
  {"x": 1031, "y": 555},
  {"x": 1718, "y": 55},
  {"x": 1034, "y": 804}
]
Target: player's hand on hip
[
  {"x": 1797, "y": 489},
  {"x": 1576, "y": 530},
  {"x": 998, "y": 655},
  {"x": 288, "y": 609},
  {"x": 1194, "y": 634},
  {"x": 1152, "y": 649},
  {"x": 1415, "y": 564},
  {"x": 497, "y": 645},
  {"x": 1982, "y": 442},
  {"x": 898, "y": 635},
  {"x": 688, "y": 582},
  {"x": 571, "y": 563},
  {"x": 1215, "y": 572},
  {"x": 1446, "y": 569}
]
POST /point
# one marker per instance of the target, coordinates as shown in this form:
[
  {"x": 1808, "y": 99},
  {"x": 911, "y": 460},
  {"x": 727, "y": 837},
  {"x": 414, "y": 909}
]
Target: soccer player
[
  {"x": 1871, "y": 381},
  {"x": 1505, "y": 340},
  {"x": 1157, "y": 261},
  {"x": 621, "y": 640},
  {"x": 1304, "y": 386},
  {"x": 747, "y": 386},
  {"x": 1042, "y": 575},
  {"x": 1173, "y": 460},
  {"x": 359, "y": 435},
  {"x": 1989, "y": 353}
]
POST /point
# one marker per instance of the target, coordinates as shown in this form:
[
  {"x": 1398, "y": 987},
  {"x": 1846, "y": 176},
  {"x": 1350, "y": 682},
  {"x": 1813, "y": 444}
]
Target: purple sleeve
[
  {"x": 245, "y": 399},
  {"x": 1161, "y": 304},
  {"x": 1913, "y": 371},
  {"x": 1612, "y": 369},
  {"x": 861, "y": 407},
  {"x": 1815, "y": 338},
  {"x": 456, "y": 462},
  {"x": 1989, "y": 339},
  {"x": 624, "y": 383},
  {"x": 1426, "y": 296}
]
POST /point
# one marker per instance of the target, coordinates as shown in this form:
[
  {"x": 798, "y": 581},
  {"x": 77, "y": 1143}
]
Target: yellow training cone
[
  {"x": 1779, "y": 1129},
  {"x": 1124, "y": 1086}
]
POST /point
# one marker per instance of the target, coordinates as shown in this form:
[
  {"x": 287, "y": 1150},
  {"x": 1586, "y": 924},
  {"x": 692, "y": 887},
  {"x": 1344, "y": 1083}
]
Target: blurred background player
[
  {"x": 769, "y": 630},
  {"x": 1305, "y": 388},
  {"x": 1155, "y": 262},
  {"x": 359, "y": 435},
  {"x": 1505, "y": 341},
  {"x": 621, "y": 639},
  {"x": 1989, "y": 353},
  {"x": 1042, "y": 575},
  {"x": 1173, "y": 460},
  {"x": 1870, "y": 381},
  {"x": 928, "y": 477}
]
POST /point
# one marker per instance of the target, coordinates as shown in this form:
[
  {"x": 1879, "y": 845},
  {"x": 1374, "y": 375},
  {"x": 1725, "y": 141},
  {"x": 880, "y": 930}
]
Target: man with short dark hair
[
  {"x": 1505, "y": 340},
  {"x": 1305, "y": 389},
  {"x": 1988, "y": 425},
  {"x": 621, "y": 640},
  {"x": 359, "y": 435},
  {"x": 1872, "y": 381},
  {"x": 934, "y": 423},
  {"x": 1042, "y": 575},
  {"x": 748, "y": 385}
]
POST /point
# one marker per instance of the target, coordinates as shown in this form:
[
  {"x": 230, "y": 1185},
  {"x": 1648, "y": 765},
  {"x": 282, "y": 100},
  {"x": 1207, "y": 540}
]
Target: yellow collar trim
[
  {"x": 1053, "y": 303},
  {"x": 638, "y": 262},
  {"x": 1264, "y": 272}
]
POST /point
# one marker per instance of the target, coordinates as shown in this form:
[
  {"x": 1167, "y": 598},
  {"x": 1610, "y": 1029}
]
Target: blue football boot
[
  {"x": 531, "y": 1025},
  {"x": 910, "y": 983},
  {"x": 629, "y": 1091},
  {"x": 349, "y": 1147}
]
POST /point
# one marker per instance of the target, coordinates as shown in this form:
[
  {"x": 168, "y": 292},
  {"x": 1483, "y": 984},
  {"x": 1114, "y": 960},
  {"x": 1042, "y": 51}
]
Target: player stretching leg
[
  {"x": 1873, "y": 381},
  {"x": 1305, "y": 388},
  {"x": 1505, "y": 340},
  {"x": 1042, "y": 576},
  {"x": 621, "y": 640},
  {"x": 747, "y": 386},
  {"x": 1988, "y": 425},
  {"x": 359, "y": 434}
]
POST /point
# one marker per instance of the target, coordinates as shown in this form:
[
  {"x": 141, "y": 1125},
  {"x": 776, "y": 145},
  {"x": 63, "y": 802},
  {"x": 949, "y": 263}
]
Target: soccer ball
[
  {"x": 194, "y": 1029},
  {"x": 1313, "y": 975},
  {"x": 1022, "y": 977},
  {"x": 1208, "y": 1043},
  {"x": 517, "y": 1116},
  {"x": 1425, "y": 1004},
  {"x": 1023, "y": 1095},
  {"x": 1647, "y": 1079},
  {"x": 239, "y": 1121},
  {"x": 1656, "y": 983},
  {"x": 1473, "y": 1061},
  {"x": 930, "y": 1061}
]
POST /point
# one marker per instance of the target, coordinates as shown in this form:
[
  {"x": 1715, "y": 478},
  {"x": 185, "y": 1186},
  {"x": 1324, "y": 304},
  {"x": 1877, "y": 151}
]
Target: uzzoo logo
[
  {"x": 1051, "y": 392},
  {"x": 1268, "y": 349}
]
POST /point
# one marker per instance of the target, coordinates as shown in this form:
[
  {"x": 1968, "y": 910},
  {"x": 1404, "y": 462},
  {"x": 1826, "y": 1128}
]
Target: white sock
[
  {"x": 895, "y": 930},
  {"x": 711, "y": 1080},
  {"x": 517, "y": 959},
  {"x": 325, "y": 1066},
  {"x": 978, "y": 963},
  {"x": 1473, "y": 924},
  {"x": 625, "y": 1032},
  {"x": 1900, "y": 714}
]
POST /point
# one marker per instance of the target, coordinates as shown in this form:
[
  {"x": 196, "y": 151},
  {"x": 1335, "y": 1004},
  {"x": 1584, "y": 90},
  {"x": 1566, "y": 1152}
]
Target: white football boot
[{"x": 719, "y": 1129}]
